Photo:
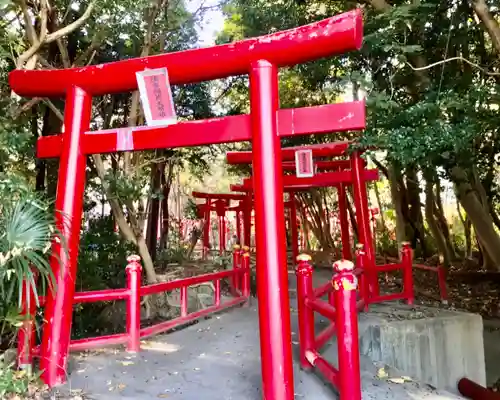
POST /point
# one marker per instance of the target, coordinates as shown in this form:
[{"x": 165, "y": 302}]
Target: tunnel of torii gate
[
  {"x": 260, "y": 58},
  {"x": 220, "y": 204},
  {"x": 343, "y": 172}
]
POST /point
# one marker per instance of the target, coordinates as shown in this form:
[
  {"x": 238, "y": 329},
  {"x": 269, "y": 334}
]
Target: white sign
[
  {"x": 304, "y": 165},
  {"x": 156, "y": 97}
]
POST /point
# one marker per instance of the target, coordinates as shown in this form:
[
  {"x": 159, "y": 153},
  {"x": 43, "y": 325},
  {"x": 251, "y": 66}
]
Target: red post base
[
  {"x": 245, "y": 283},
  {"x": 345, "y": 288},
  {"x": 305, "y": 291},
  {"x": 133, "y": 272},
  {"x": 407, "y": 261}
]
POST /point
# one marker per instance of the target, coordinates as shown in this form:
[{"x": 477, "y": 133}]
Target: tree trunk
[
  {"x": 352, "y": 213},
  {"x": 51, "y": 125},
  {"x": 130, "y": 233},
  {"x": 397, "y": 198},
  {"x": 489, "y": 22},
  {"x": 380, "y": 208},
  {"x": 167, "y": 178},
  {"x": 195, "y": 236},
  {"x": 415, "y": 209},
  {"x": 154, "y": 210},
  {"x": 441, "y": 219},
  {"x": 468, "y": 238},
  {"x": 479, "y": 216},
  {"x": 467, "y": 231},
  {"x": 314, "y": 203},
  {"x": 432, "y": 221}
]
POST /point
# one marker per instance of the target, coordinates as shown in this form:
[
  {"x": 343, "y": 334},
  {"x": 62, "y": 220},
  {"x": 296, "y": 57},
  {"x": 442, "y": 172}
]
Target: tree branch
[{"x": 71, "y": 27}]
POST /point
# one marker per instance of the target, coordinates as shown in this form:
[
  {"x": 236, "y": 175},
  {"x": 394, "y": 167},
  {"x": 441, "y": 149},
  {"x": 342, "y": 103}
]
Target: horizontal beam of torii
[
  {"x": 219, "y": 196},
  {"x": 326, "y": 38},
  {"x": 334, "y": 149},
  {"x": 335, "y": 165},
  {"x": 291, "y": 183},
  {"x": 237, "y": 128}
]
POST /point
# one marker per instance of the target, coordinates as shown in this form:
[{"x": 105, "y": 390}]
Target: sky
[{"x": 212, "y": 23}]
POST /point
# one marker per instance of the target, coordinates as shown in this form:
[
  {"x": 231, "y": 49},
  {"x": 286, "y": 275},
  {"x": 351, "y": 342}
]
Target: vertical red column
[
  {"x": 305, "y": 292},
  {"x": 345, "y": 284},
  {"x": 363, "y": 218},
  {"x": 293, "y": 226},
  {"x": 238, "y": 225},
  {"x": 206, "y": 229},
  {"x": 344, "y": 222},
  {"x": 133, "y": 321},
  {"x": 247, "y": 220},
  {"x": 69, "y": 202},
  {"x": 272, "y": 276}
]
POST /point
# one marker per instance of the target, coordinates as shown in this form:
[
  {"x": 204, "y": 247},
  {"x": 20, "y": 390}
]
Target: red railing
[
  {"x": 440, "y": 272},
  {"x": 341, "y": 310},
  {"x": 371, "y": 292},
  {"x": 239, "y": 276}
]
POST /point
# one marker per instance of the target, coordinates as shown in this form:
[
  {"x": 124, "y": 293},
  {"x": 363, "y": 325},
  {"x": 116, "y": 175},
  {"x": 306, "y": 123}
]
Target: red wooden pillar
[
  {"x": 345, "y": 285},
  {"x": 247, "y": 221},
  {"x": 293, "y": 226},
  {"x": 222, "y": 234},
  {"x": 69, "y": 202},
  {"x": 133, "y": 320},
  {"x": 363, "y": 218},
  {"x": 206, "y": 229},
  {"x": 344, "y": 222},
  {"x": 220, "y": 208},
  {"x": 272, "y": 275},
  {"x": 305, "y": 291},
  {"x": 238, "y": 225}
]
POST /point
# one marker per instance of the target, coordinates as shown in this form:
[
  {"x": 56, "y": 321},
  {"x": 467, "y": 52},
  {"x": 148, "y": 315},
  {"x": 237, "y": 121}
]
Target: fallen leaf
[
  {"x": 381, "y": 373},
  {"x": 127, "y": 363}
]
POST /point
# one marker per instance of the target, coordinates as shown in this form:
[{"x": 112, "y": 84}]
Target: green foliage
[
  {"x": 101, "y": 265},
  {"x": 26, "y": 230},
  {"x": 14, "y": 382},
  {"x": 191, "y": 209}
]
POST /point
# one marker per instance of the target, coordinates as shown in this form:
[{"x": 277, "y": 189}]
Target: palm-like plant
[{"x": 26, "y": 230}]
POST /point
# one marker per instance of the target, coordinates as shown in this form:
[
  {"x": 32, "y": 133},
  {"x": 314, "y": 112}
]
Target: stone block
[{"x": 434, "y": 346}]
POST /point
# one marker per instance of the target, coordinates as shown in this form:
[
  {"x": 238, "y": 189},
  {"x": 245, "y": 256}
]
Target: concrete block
[{"x": 434, "y": 346}]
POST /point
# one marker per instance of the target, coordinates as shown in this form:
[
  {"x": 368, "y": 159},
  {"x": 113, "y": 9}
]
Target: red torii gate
[
  {"x": 220, "y": 206},
  {"x": 339, "y": 179},
  {"x": 258, "y": 57}
]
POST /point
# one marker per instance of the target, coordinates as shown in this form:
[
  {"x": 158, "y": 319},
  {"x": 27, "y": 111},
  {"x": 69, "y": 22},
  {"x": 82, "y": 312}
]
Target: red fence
[
  {"x": 440, "y": 272},
  {"x": 345, "y": 299},
  {"x": 372, "y": 274},
  {"x": 341, "y": 310},
  {"x": 239, "y": 277}
]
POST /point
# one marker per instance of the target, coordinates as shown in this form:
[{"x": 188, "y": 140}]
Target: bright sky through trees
[{"x": 212, "y": 21}]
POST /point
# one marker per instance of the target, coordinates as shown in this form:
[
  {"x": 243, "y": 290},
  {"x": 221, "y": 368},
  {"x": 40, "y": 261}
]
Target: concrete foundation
[{"x": 434, "y": 346}]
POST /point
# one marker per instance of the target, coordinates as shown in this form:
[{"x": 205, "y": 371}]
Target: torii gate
[
  {"x": 340, "y": 178},
  {"x": 220, "y": 205},
  {"x": 219, "y": 202},
  {"x": 260, "y": 58}
]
